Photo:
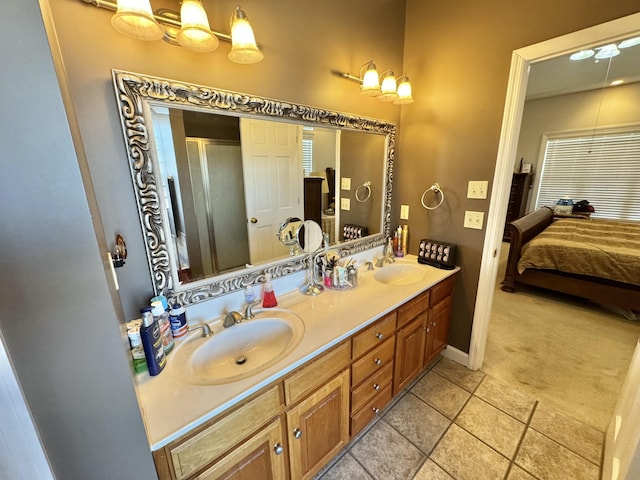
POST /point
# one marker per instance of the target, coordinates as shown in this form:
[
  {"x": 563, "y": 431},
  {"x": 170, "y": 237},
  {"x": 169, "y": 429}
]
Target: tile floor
[{"x": 457, "y": 424}]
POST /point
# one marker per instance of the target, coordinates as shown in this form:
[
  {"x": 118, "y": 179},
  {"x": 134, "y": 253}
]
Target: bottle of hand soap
[{"x": 268, "y": 295}]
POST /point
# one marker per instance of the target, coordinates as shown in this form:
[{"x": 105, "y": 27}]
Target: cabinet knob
[
  {"x": 377, "y": 361},
  {"x": 297, "y": 433},
  {"x": 376, "y": 387},
  {"x": 375, "y": 410},
  {"x": 379, "y": 336},
  {"x": 278, "y": 449}
]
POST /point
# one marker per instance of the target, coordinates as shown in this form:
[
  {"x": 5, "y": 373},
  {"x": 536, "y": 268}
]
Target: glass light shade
[
  {"x": 195, "y": 33},
  {"x": 388, "y": 87},
  {"x": 404, "y": 92},
  {"x": 134, "y": 19},
  {"x": 582, "y": 54},
  {"x": 243, "y": 43},
  {"x": 608, "y": 51},
  {"x": 370, "y": 81},
  {"x": 629, "y": 42}
]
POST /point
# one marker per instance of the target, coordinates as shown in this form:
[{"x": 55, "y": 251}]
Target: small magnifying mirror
[
  {"x": 288, "y": 234},
  {"x": 310, "y": 238}
]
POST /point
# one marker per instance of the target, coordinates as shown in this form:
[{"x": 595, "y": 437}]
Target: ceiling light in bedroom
[
  {"x": 582, "y": 54},
  {"x": 608, "y": 51}
]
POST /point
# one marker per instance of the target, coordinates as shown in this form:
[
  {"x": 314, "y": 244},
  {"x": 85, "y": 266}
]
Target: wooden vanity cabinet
[
  {"x": 410, "y": 340},
  {"x": 439, "y": 318},
  {"x": 317, "y": 415},
  {"x": 373, "y": 353},
  {"x": 229, "y": 441}
]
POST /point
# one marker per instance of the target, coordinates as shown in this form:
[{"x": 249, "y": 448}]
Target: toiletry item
[
  {"x": 133, "y": 332},
  {"x": 249, "y": 294},
  {"x": 328, "y": 277},
  {"x": 160, "y": 298},
  {"x": 152, "y": 342},
  {"x": 139, "y": 359},
  {"x": 178, "y": 321},
  {"x": 405, "y": 238},
  {"x": 268, "y": 295},
  {"x": 352, "y": 275},
  {"x": 399, "y": 252},
  {"x": 162, "y": 317}
]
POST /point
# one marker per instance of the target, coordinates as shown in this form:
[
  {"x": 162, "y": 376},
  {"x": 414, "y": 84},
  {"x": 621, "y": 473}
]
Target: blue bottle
[{"x": 152, "y": 342}]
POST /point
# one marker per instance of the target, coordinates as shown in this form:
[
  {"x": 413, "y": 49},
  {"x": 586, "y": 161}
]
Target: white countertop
[{"x": 171, "y": 407}]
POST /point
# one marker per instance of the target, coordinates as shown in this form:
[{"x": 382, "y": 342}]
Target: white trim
[
  {"x": 458, "y": 356},
  {"x": 514, "y": 105}
]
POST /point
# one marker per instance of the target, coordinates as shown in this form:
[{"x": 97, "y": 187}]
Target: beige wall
[
  {"x": 302, "y": 43},
  {"x": 578, "y": 111},
  {"x": 458, "y": 54}
]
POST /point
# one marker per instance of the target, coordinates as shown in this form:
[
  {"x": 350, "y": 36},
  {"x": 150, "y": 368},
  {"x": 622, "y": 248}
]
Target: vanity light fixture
[
  {"x": 384, "y": 87},
  {"x": 606, "y": 51},
  {"x": 189, "y": 28}
]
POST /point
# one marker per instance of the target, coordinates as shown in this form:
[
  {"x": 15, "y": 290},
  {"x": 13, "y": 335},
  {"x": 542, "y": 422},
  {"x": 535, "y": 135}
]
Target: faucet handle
[{"x": 248, "y": 311}]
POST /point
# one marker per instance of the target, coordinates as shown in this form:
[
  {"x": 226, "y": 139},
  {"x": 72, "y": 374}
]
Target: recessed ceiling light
[
  {"x": 629, "y": 42},
  {"x": 582, "y": 54},
  {"x": 608, "y": 51},
  {"x": 616, "y": 82}
]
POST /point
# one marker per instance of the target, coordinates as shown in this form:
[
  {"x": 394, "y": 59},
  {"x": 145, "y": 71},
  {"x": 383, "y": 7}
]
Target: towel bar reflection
[{"x": 366, "y": 188}]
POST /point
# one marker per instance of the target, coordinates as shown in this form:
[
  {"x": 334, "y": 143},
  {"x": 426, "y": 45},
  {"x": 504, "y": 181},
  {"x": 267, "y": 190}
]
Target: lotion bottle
[
  {"x": 268, "y": 295},
  {"x": 152, "y": 342}
]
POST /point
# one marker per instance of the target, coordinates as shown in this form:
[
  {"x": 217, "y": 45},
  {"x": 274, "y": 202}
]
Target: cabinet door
[
  {"x": 438, "y": 328},
  {"x": 262, "y": 457},
  {"x": 318, "y": 427},
  {"x": 410, "y": 350}
]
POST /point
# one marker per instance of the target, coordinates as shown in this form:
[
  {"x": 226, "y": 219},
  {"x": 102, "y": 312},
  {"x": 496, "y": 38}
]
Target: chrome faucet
[
  {"x": 248, "y": 309},
  {"x": 231, "y": 319},
  {"x": 387, "y": 256},
  {"x": 206, "y": 330}
]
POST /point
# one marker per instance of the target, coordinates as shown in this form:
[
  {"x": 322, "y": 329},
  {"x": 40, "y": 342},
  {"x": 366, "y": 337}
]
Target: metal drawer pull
[
  {"x": 379, "y": 336},
  {"x": 375, "y": 410},
  {"x": 279, "y": 449},
  {"x": 297, "y": 433},
  {"x": 376, "y": 387},
  {"x": 377, "y": 361}
]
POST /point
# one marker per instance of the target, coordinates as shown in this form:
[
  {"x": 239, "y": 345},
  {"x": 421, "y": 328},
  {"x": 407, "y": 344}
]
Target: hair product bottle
[{"x": 152, "y": 342}]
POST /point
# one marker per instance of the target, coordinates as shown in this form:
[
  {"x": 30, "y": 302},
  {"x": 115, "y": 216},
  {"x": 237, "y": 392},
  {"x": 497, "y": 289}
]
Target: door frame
[{"x": 521, "y": 61}]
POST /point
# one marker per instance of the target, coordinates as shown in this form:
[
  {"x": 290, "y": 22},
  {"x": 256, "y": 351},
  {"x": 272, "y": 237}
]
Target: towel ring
[
  {"x": 435, "y": 188},
  {"x": 366, "y": 186}
]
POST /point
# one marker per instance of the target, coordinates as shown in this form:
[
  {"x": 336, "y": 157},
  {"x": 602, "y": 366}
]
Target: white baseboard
[{"x": 458, "y": 356}]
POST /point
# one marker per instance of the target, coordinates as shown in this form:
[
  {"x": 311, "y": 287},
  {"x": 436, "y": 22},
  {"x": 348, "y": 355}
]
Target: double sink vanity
[
  {"x": 279, "y": 392},
  {"x": 282, "y": 393}
]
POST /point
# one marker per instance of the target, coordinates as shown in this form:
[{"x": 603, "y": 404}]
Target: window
[
  {"x": 307, "y": 156},
  {"x": 603, "y": 168}
]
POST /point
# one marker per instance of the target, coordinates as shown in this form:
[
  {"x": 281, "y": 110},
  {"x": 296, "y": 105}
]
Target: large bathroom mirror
[{"x": 215, "y": 174}]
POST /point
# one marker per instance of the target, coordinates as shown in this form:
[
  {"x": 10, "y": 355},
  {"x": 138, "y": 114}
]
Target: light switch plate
[
  {"x": 404, "y": 212},
  {"x": 477, "y": 189},
  {"x": 345, "y": 183},
  {"x": 345, "y": 204},
  {"x": 473, "y": 220}
]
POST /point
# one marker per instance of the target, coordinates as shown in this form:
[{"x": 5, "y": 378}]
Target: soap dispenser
[{"x": 268, "y": 295}]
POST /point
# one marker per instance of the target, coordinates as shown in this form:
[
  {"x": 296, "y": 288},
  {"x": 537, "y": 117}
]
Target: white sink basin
[
  {"x": 401, "y": 274},
  {"x": 239, "y": 351}
]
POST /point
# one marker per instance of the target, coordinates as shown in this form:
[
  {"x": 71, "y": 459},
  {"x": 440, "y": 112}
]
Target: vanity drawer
[
  {"x": 374, "y": 335},
  {"x": 366, "y": 414},
  {"x": 442, "y": 289},
  {"x": 199, "y": 450},
  {"x": 413, "y": 308},
  {"x": 310, "y": 377},
  {"x": 373, "y": 361},
  {"x": 370, "y": 387}
]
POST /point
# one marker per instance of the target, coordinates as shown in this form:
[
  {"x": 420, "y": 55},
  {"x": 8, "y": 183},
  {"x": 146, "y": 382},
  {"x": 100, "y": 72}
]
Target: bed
[{"x": 594, "y": 259}]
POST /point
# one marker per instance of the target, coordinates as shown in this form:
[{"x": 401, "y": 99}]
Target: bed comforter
[{"x": 608, "y": 249}]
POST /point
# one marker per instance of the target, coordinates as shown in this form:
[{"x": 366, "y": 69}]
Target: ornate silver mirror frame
[{"x": 135, "y": 93}]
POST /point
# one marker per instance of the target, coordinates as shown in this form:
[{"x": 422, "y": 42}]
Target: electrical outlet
[
  {"x": 473, "y": 219},
  {"x": 404, "y": 212},
  {"x": 345, "y": 204},
  {"x": 345, "y": 183},
  {"x": 477, "y": 189}
]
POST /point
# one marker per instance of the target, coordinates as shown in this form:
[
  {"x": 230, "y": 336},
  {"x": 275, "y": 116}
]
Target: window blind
[
  {"x": 603, "y": 169},
  {"x": 307, "y": 155}
]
